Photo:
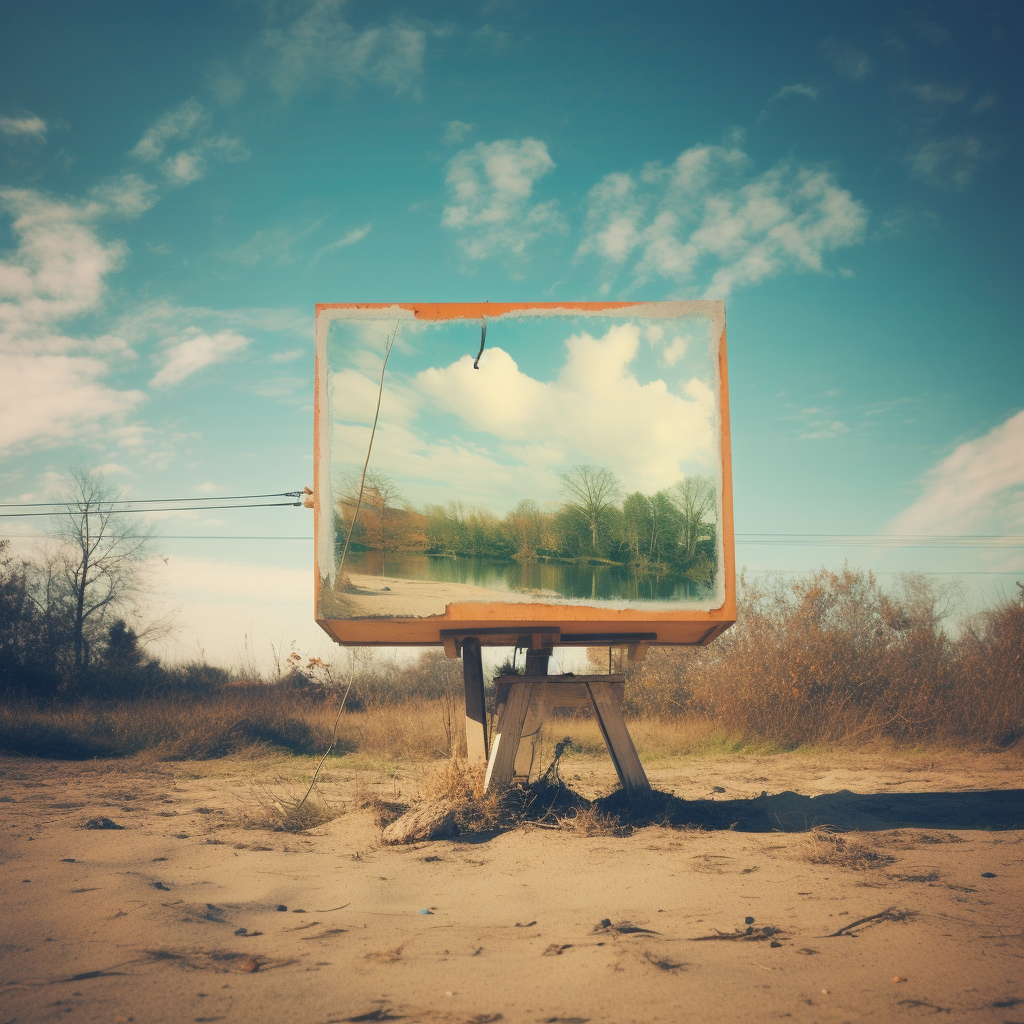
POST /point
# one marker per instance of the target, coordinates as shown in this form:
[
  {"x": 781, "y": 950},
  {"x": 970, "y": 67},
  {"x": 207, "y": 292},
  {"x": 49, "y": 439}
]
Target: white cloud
[
  {"x": 52, "y": 398},
  {"x": 455, "y": 132},
  {"x": 188, "y": 122},
  {"x": 27, "y": 127},
  {"x": 701, "y": 220},
  {"x": 319, "y": 47},
  {"x": 353, "y": 236},
  {"x": 796, "y": 90},
  {"x": 128, "y": 195},
  {"x": 656, "y": 430},
  {"x": 847, "y": 61},
  {"x": 491, "y": 185},
  {"x": 51, "y": 387},
  {"x": 948, "y": 163},
  {"x": 186, "y": 355},
  {"x": 58, "y": 269},
  {"x": 978, "y": 487},
  {"x": 452, "y": 430}
]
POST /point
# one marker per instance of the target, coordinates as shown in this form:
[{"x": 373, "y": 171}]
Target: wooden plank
[
  {"x": 476, "y": 709},
  {"x": 672, "y": 628},
  {"x": 601, "y": 677},
  {"x": 451, "y": 648},
  {"x": 618, "y": 741},
  {"x": 529, "y": 743},
  {"x": 506, "y": 741}
]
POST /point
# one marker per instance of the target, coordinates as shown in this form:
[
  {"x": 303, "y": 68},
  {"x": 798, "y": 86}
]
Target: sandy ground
[
  {"x": 165, "y": 919},
  {"x": 424, "y": 597}
]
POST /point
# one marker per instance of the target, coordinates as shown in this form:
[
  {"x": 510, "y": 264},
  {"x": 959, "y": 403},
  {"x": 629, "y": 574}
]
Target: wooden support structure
[
  {"x": 476, "y": 708},
  {"x": 522, "y": 704},
  {"x": 511, "y": 718}
]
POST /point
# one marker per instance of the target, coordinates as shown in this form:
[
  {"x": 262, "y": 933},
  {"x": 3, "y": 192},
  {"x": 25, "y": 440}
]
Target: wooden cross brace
[{"x": 523, "y": 702}]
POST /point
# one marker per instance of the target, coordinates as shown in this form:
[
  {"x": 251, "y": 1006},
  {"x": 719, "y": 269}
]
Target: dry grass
[
  {"x": 826, "y": 846},
  {"x": 589, "y": 821},
  {"x": 830, "y": 660},
  {"x": 286, "y": 808},
  {"x": 258, "y": 718}
]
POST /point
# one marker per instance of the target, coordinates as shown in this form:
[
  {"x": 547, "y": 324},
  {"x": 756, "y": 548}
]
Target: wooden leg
[
  {"x": 506, "y": 741},
  {"x": 476, "y": 710},
  {"x": 617, "y": 739},
  {"x": 526, "y": 756}
]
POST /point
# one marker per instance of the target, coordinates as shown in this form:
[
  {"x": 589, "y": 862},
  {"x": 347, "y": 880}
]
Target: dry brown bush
[{"x": 834, "y": 657}]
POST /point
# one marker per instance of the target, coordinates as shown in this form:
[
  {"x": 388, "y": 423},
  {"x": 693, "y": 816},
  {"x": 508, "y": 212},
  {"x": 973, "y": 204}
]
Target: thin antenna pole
[{"x": 369, "y": 447}]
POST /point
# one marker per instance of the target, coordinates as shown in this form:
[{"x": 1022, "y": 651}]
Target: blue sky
[{"x": 180, "y": 183}]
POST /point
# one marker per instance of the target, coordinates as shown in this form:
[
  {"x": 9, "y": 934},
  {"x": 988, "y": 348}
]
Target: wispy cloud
[
  {"x": 980, "y": 484},
  {"x": 275, "y": 244},
  {"x": 948, "y": 163},
  {"x": 821, "y": 430},
  {"x": 28, "y": 126},
  {"x": 848, "y": 62},
  {"x": 796, "y": 90},
  {"x": 933, "y": 92},
  {"x": 319, "y": 47},
  {"x": 175, "y": 124},
  {"x": 705, "y": 219},
  {"x": 455, "y": 132},
  {"x": 187, "y": 125},
  {"x": 186, "y": 355},
  {"x": 491, "y": 187},
  {"x": 287, "y": 356},
  {"x": 984, "y": 102},
  {"x": 128, "y": 195},
  {"x": 353, "y": 236}
]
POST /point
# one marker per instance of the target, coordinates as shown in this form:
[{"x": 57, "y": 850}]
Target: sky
[{"x": 181, "y": 183}]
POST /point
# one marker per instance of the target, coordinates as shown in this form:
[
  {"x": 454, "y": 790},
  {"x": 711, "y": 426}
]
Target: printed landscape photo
[{"x": 577, "y": 461}]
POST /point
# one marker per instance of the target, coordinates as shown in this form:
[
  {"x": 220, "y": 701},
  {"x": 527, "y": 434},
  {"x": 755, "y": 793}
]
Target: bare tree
[
  {"x": 380, "y": 525},
  {"x": 98, "y": 560},
  {"x": 593, "y": 494},
  {"x": 696, "y": 500}
]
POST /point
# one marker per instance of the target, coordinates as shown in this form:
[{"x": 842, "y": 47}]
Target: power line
[
  {"x": 940, "y": 541},
  {"x": 77, "y": 505},
  {"x": 173, "y": 508}
]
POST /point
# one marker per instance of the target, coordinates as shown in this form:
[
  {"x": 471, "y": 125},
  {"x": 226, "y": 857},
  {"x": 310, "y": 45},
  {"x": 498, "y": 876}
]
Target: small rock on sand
[{"x": 104, "y": 823}]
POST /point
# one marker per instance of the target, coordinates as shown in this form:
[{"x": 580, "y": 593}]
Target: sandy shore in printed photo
[{"x": 389, "y": 595}]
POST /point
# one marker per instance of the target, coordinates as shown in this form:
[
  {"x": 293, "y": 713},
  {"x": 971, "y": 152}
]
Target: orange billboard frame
[{"x": 536, "y": 625}]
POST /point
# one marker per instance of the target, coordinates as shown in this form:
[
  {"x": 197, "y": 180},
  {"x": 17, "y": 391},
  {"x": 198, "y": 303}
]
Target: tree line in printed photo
[{"x": 672, "y": 532}]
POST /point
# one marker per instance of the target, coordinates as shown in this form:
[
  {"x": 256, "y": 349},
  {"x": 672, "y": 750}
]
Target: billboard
[{"x": 535, "y": 473}]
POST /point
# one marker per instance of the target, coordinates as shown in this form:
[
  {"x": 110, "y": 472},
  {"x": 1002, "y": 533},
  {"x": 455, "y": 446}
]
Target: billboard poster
[{"x": 523, "y": 467}]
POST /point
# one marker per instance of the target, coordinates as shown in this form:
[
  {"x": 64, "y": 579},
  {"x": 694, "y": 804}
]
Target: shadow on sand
[{"x": 992, "y": 810}]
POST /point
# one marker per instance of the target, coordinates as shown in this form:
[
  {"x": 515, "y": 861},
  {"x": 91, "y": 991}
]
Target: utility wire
[
  {"x": 174, "y": 508},
  {"x": 148, "y": 501}
]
